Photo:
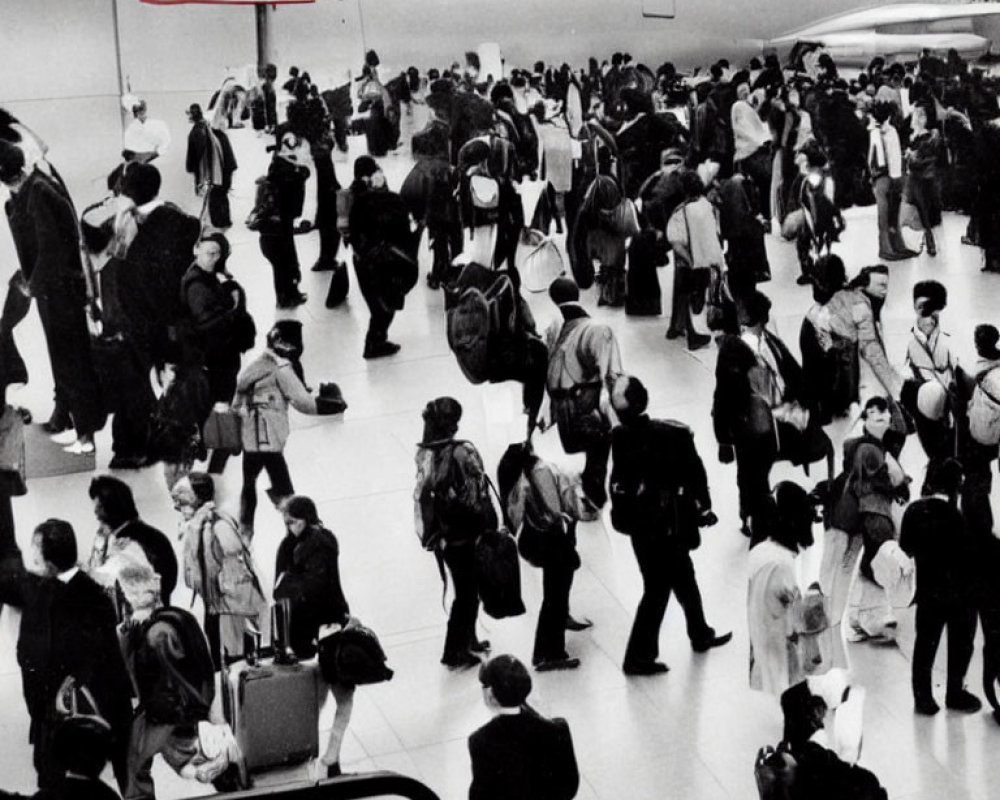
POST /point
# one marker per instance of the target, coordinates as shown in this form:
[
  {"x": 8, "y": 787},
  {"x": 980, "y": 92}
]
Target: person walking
[{"x": 660, "y": 498}]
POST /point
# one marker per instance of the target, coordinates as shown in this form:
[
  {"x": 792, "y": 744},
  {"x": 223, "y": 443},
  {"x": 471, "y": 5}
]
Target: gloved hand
[
  {"x": 330, "y": 390},
  {"x": 326, "y": 406},
  {"x": 727, "y": 454},
  {"x": 707, "y": 519}
]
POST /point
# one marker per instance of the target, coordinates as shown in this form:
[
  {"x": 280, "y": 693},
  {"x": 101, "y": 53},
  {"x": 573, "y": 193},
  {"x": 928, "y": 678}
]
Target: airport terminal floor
[{"x": 690, "y": 733}]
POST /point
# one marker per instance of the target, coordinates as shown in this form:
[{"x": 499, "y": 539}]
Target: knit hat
[
  {"x": 11, "y": 162},
  {"x": 194, "y": 112},
  {"x": 441, "y": 417},
  {"x": 290, "y": 332},
  {"x": 508, "y": 678},
  {"x": 365, "y": 167},
  {"x": 564, "y": 290},
  {"x": 141, "y": 183},
  {"x": 986, "y": 338}
]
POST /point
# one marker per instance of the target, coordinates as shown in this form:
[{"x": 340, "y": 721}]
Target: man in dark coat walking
[
  {"x": 659, "y": 497},
  {"x": 67, "y": 631},
  {"x": 44, "y": 228}
]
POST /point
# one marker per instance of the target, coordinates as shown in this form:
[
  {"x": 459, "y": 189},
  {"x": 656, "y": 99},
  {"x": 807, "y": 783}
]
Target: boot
[{"x": 929, "y": 244}]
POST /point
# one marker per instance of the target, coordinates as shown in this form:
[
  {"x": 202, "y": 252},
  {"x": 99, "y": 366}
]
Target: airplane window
[{"x": 659, "y": 8}]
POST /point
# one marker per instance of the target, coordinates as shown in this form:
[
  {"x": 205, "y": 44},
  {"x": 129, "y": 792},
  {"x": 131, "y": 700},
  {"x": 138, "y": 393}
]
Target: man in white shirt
[
  {"x": 885, "y": 157},
  {"x": 145, "y": 139}
]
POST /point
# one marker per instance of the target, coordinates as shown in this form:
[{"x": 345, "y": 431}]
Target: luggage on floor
[
  {"x": 340, "y": 284},
  {"x": 274, "y": 711}
]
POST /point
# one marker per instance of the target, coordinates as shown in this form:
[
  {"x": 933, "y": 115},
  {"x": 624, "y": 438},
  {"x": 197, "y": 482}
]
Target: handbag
[
  {"x": 578, "y": 417},
  {"x": 625, "y": 219},
  {"x": 223, "y": 431},
  {"x": 793, "y": 225},
  {"x": 353, "y": 656},
  {"x": 538, "y": 259}
]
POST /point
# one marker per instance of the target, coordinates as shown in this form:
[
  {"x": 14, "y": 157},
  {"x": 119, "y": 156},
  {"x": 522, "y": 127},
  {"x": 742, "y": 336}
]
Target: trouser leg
[
  {"x": 550, "y": 633},
  {"x": 961, "y": 637},
  {"x": 643, "y": 643},
  {"x": 930, "y": 619},
  {"x": 685, "y": 587},
  {"x": 595, "y": 470},
  {"x": 461, "y": 634},
  {"x": 253, "y": 463}
]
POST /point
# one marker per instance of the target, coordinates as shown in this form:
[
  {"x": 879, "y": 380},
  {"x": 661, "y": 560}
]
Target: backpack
[
  {"x": 636, "y": 505},
  {"x": 353, "y": 656},
  {"x": 844, "y": 513},
  {"x": 825, "y": 220},
  {"x": 454, "y": 503},
  {"x": 984, "y": 409},
  {"x": 487, "y": 328},
  {"x": 185, "y": 687},
  {"x": 265, "y": 205}
]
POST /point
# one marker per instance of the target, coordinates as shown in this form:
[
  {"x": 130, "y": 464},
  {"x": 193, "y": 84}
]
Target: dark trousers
[
  {"x": 222, "y": 368},
  {"x": 595, "y": 470},
  {"x": 133, "y": 405},
  {"x": 214, "y": 636},
  {"x": 277, "y": 471},
  {"x": 446, "y": 243},
  {"x": 557, "y": 580},
  {"x": 380, "y": 315},
  {"x": 931, "y": 620},
  {"x": 279, "y": 249},
  {"x": 976, "y": 488},
  {"x": 888, "y": 197},
  {"x": 758, "y": 166},
  {"x": 753, "y": 470},
  {"x": 65, "y": 325},
  {"x": 50, "y": 771},
  {"x": 326, "y": 204},
  {"x": 666, "y": 567},
  {"x": 461, "y": 635}
]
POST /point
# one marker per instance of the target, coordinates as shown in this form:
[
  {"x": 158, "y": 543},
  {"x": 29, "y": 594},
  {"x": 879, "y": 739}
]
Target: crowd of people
[{"x": 630, "y": 165}]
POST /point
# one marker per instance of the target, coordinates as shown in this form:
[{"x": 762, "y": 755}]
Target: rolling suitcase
[{"x": 272, "y": 704}]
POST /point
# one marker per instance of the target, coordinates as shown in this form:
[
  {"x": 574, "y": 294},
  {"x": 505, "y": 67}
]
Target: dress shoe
[
  {"x": 480, "y": 647},
  {"x": 553, "y": 664},
  {"x": 324, "y": 265},
  {"x": 66, "y": 437},
  {"x": 292, "y": 300},
  {"x": 908, "y": 253},
  {"x": 128, "y": 462},
  {"x": 710, "y": 641},
  {"x": 926, "y": 706},
  {"x": 57, "y": 423},
  {"x": 964, "y": 701},
  {"x": 892, "y": 257},
  {"x": 578, "y": 624},
  {"x": 698, "y": 341},
  {"x": 672, "y": 334},
  {"x": 380, "y": 350},
  {"x": 803, "y": 280},
  {"x": 460, "y": 660},
  {"x": 645, "y": 668}
]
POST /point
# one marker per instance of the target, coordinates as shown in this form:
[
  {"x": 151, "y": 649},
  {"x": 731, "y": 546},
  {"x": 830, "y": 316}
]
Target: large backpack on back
[
  {"x": 984, "y": 409},
  {"x": 265, "y": 205},
  {"x": 185, "y": 686},
  {"x": 487, "y": 325},
  {"x": 454, "y": 502}
]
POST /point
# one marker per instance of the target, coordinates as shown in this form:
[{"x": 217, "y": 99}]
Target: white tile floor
[{"x": 690, "y": 733}]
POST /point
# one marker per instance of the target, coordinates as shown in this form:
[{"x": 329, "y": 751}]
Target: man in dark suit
[
  {"x": 659, "y": 497},
  {"x": 519, "y": 753},
  {"x": 67, "y": 630}
]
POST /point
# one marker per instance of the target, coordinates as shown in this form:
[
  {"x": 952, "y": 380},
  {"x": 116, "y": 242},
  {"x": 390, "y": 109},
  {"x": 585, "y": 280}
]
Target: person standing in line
[
  {"x": 145, "y": 139},
  {"x": 584, "y": 361},
  {"x": 44, "y": 228},
  {"x": 452, "y": 510},
  {"x": 218, "y": 565},
  {"x": 933, "y": 532},
  {"x": 660, "y": 498},
  {"x": 67, "y": 631},
  {"x": 308, "y": 575},
  {"x": 519, "y": 753},
  {"x": 277, "y": 235},
  {"x": 885, "y": 158}
]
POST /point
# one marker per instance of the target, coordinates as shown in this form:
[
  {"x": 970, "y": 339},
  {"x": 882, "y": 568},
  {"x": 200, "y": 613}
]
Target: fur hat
[
  {"x": 564, "y": 290},
  {"x": 141, "y": 183},
  {"x": 289, "y": 331},
  {"x": 365, "y": 167},
  {"x": 194, "y": 113},
  {"x": 441, "y": 417},
  {"x": 934, "y": 294},
  {"x": 509, "y": 680}
]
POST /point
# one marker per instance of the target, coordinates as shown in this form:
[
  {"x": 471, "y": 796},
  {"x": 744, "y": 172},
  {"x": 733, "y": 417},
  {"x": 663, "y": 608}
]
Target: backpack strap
[{"x": 984, "y": 390}]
